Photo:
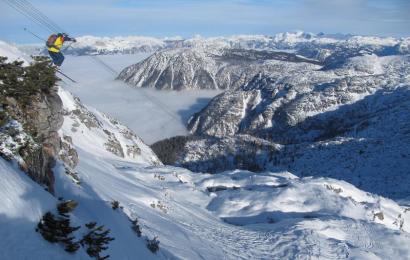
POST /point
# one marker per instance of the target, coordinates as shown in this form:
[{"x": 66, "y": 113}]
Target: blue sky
[{"x": 211, "y": 17}]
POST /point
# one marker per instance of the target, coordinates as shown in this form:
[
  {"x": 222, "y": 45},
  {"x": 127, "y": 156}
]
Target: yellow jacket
[{"x": 58, "y": 43}]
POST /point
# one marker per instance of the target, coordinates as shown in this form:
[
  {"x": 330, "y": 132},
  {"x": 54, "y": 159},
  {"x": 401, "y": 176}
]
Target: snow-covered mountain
[
  {"x": 124, "y": 45},
  {"x": 227, "y": 63},
  {"x": 196, "y": 68},
  {"x": 281, "y": 102},
  {"x": 232, "y": 215},
  {"x": 315, "y": 44},
  {"x": 312, "y": 123}
]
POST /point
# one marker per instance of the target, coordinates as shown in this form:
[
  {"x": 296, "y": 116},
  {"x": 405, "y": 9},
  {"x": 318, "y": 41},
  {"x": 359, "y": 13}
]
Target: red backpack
[{"x": 51, "y": 40}]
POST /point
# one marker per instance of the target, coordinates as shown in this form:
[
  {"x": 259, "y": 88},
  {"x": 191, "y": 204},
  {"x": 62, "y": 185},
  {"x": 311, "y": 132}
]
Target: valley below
[{"x": 154, "y": 115}]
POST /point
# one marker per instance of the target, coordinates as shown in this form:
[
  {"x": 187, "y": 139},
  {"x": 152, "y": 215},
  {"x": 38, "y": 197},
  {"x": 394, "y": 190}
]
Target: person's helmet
[{"x": 60, "y": 34}]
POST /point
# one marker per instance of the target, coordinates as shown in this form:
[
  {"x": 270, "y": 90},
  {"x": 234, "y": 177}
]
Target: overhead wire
[
  {"x": 30, "y": 5},
  {"x": 36, "y": 21},
  {"x": 27, "y": 9},
  {"x": 105, "y": 65},
  {"x": 33, "y": 13}
]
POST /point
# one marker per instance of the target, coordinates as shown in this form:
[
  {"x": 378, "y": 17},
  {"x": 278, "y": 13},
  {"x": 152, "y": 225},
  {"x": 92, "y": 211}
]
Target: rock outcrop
[
  {"x": 31, "y": 117},
  {"x": 40, "y": 122}
]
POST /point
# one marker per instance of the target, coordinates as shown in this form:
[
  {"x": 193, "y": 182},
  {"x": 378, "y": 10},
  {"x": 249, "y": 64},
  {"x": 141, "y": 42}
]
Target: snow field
[{"x": 239, "y": 214}]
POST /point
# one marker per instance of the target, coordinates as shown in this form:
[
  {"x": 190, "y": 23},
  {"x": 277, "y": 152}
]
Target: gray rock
[
  {"x": 41, "y": 121},
  {"x": 113, "y": 145}
]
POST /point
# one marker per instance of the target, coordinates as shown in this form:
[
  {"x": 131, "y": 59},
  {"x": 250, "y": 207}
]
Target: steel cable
[
  {"x": 56, "y": 26},
  {"x": 10, "y": 3},
  {"x": 33, "y": 14}
]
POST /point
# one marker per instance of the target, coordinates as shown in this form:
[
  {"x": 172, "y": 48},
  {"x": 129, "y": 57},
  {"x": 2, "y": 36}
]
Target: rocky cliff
[
  {"x": 39, "y": 120},
  {"x": 32, "y": 115}
]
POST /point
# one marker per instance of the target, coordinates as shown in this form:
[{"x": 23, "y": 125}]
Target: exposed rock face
[
  {"x": 197, "y": 68},
  {"x": 113, "y": 145},
  {"x": 40, "y": 123},
  {"x": 68, "y": 154}
]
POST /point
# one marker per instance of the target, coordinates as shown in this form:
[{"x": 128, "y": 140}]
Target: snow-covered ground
[
  {"x": 153, "y": 115},
  {"x": 232, "y": 215}
]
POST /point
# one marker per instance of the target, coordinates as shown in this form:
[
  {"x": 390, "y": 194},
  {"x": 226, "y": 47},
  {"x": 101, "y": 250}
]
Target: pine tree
[
  {"x": 22, "y": 82},
  {"x": 66, "y": 207},
  {"x": 10, "y": 77},
  {"x": 48, "y": 228},
  {"x": 136, "y": 227},
  {"x": 96, "y": 240},
  {"x": 57, "y": 229},
  {"x": 115, "y": 204},
  {"x": 153, "y": 244}
]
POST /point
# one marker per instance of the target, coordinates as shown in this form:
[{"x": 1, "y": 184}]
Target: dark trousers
[{"x": 57, "y": 57}]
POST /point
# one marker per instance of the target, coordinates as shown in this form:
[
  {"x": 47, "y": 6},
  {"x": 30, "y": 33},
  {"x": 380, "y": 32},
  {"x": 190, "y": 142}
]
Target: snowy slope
[
  {"x": 102, "y": 133},
  {"x": 265, "y": 215},
  {"x": 232, "y": 215},
  {"x": 23, "y": 202},
  {"x": 240, "y": 214}
]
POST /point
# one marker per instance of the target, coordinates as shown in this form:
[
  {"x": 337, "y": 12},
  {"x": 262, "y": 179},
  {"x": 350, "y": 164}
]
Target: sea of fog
[{"x": 152, "y": 114}]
